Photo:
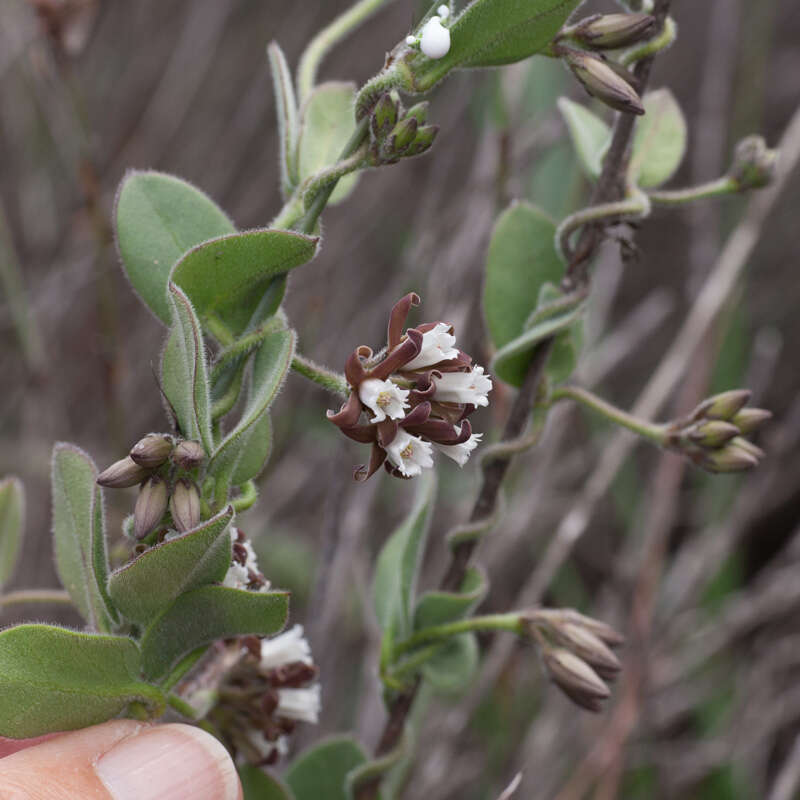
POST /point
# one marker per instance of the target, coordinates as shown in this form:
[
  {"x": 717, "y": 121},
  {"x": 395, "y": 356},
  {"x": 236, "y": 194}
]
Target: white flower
[
  {"x": 437, "y": 345},
  {"x": 409, "y": 454},
  {"x": 460, "y": 453},
  {"x": 384, "y": 398},
  {"x": 464, "y": 387},
  {"x": 264, "y": 747},
  {"x": 300, "y": 704},
  {"x": 435, "y": 39},
  {"x": 236, "y": 577},
  {"x": 288, "y": 648}
]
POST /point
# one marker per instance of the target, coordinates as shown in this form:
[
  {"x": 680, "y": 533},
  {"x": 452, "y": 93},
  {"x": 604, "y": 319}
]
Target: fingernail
[{"x": 170, "y": 762}]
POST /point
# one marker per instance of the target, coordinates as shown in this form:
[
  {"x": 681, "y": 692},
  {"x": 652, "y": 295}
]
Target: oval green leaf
[
  {"x": 438, "y": 607},
  {"x": 158, "y": 218},
  {"x": 260, "y": 785},
  {"x": 322, "y": 770},
  {"x": 452, "y": 667},
  {"x": 52, "y": 679},
  {"x": 590, "y": 135}
]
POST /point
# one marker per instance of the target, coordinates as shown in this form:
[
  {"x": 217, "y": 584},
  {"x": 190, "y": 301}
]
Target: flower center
[
  {"x": 408, "y": 452},
  {"x": 384, "y": 400}
]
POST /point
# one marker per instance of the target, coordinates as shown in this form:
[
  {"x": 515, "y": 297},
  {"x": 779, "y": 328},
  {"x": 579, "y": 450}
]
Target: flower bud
[
  {"x": 184, "y": 505},
  {"x": 419, "y": 112},
  {"x": 753, "y": 164},
  {"x": 723, "y": 406},
  {"x": 602, "y": 82},
  {"x": 122, "y": 474},
  {"x": 591, "y": 649},
  {"x": 749, "y": 420},
  {"x": 601, "y": 630},
  {"x": 403, "y": 135},
  {"x": 730, "y": 458},
  {"x": 714, "y": 433},
  {"x": 384, "y": 115},
  {"x": 576, "y": 678},
  {"x": 611, "y": 31},
  {"x": 188, "y": 454},
  {"x": 150, "y": 506},
  {"x": 152, "y": 451},
  {"x": 423, "y": 141}
]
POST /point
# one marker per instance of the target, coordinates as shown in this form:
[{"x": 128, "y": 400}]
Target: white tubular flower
[
  {"x": 410, "y": 454},
  {"x": 384, "y": 398},
  {"x": 288, "y": 648},
  {"x": 236, "y": 577},
  {"x": 435, "y": 39},
  {"x": 264, "y": 747},
  {"x": 437, "y": 345},
  {"x": 300, "y": 704},
  {"x": 460, "y": 453},
  {"x": 464, "y": 387}
]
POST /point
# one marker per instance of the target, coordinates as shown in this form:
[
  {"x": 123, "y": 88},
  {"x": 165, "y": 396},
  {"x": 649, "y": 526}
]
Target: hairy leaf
[
  {"x": 521, "y": 259},
  {"x": 590, "y": 135},
  {"x": 322, "y": 770},
  {"x": 327, "y": 123},
  {"x": 453, "y": 665},
  {"x": 151, "y": 583},
  {"x": 53, "y": 679},
  {"x": 184, "y": 371},
  {"x": 205, "y": 615},
  {"x": 286, "y": 111},
  {"x": 438, "y": 607},
  {"x": 79, "y": 534},
  {"x": 159, "y": 217},
  {"x": 12, "y": 525},
  {"x": 659, "y": 142},
  {"x": 258, "y": 785},
  {"x": 227, "y": 277},
  {"x": 242, "y": 453}
]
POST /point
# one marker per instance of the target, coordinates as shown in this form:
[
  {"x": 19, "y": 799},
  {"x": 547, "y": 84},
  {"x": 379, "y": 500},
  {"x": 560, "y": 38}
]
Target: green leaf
[
  {"x": 158, "y": 218},
  {"x": 590, "y": 135},
  {"x": 438, "y": 607},
  {"x": 151, "y": 583},
  {"x": 453, "y": 665},
  {"x": 227, "y": 277},
  {"x": 327, "y": 123},
  {"x": 259, "y": 785},
  {"x": 521, "y": 259},
  {"x": 52, "y": 679},
  {"x": 12, "y": 525},
  {"x": 659, "y": 142},
  {"x": 79, "y": 534},
  {"x": 398, "y": 564},
  {"x": 322, "y": 771},
  {"x": 205, "y": 615},
  {"x": 184, "y": 371},
  {"x": 489, "y": 33},
  {"x": 286, "y": 111},
  {"x": 242, "y": 453}
]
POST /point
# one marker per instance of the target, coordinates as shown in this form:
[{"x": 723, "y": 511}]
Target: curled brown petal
[
  {"x": 395, "y": 473},
  {"x": 441, "y": 432},
  {"x": 397, "y": 319},
  {"x": 348, "y": 414},
  {"x": 386, "y": 431},
  {"x": 354, "y": 370},
  {"x": 377, "y": 458},
  {"x": 365, "y": 434},
  {"x": 401, "y": 354},
  {"x": 417, "y": 416}
]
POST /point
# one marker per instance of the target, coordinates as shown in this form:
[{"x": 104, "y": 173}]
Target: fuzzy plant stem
[
  {"x": 328, "y": 379},
  {"x": 606, "y": 191},
  {"x": 440, "y": 633},
  {"x": 38, "y": 596},
  {"x": 677, "y": 197}
]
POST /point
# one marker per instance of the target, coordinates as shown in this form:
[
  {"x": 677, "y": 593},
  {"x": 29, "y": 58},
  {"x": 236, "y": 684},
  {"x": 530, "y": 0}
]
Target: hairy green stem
[
  {"x": 224, "y": 404},
  {"x": 247, "y": 498},
  {"x": 316, "y": 183},
  {"x": 439, "y": 633},
  {"x": 181, "y": 706},
  {"x": 676, "y": 197},
  {"x": 668, "y": 34},
  {"x": 328, "y": 38},
  {"x": 648, "y": 430},
  {"x": 328, "y": 379}
]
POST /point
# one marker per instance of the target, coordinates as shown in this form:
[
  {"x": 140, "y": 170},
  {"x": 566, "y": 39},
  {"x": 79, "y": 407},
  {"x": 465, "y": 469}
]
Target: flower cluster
[
  {"x": 243, "y": 572},
  {"x": 272, "y": 689},
  {"x": 416, "y": 394}
]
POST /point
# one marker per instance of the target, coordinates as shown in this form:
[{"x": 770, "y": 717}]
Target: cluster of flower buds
[
  {"x": 416, "y": 393},
  {"x": 397, "y": 133},
  {"x": 753, "y": 164},
  {"x": 434, "y": 38},
  {"x": 161, "y": 465},
  {"x": 244, "y": 572},
  {"x": 272, "y": 688},
  {"x": 577, "y": 653},
  {"x": 713, "y": 435}
]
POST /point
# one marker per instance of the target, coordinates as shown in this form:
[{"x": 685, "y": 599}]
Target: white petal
[
  {"x": 287, "y": 648},
  {"x": 410, "y": 454},
  {"x": 300, "y": 704},
  {"x": 437, "y": 345},
  {"x": 464, "y": 387},
  {"x": 236, "y": 577},
  {"x": 384, "y": 398},
  {"x": 460, "y": 453},
  {"x": 435, "y": 40}
]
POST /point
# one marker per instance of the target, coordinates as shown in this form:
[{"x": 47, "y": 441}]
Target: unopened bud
[
  {"x": 748, "y": 447},
  {"x": 723, "y": 406},
  {"x": 384, "y": 116},
  {"x": 591, "y": 649},
  {"x": 602, "y": 82},
  {"x": 730, "y": 458},
  {"x": 611, "y": 31},
  {"x": 152, "y": 451},
  {"x": 150, "y": 507},
  {"x": 749, "y": 420},
  {"x": 576, "y": 678},
  {"x": 714, "y": 433},
  {"x": 753, "y": 164},
  {"x": 419, "y": 112},
  {"x": 184, "y": 505},
  {"x": 424, "y": 140},
  {"x": 601, "y": 630},
  {"x": 403, "y": 134},
  {"x": 188, "y": 454},
  {"x": 122, "y": 474}
]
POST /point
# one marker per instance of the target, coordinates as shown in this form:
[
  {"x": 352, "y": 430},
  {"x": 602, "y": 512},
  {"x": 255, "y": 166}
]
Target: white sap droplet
[
  {"x": 435, "y": 41},
  {"x": 443, "y": 11},
  {"x": 411, "y": 40}
]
